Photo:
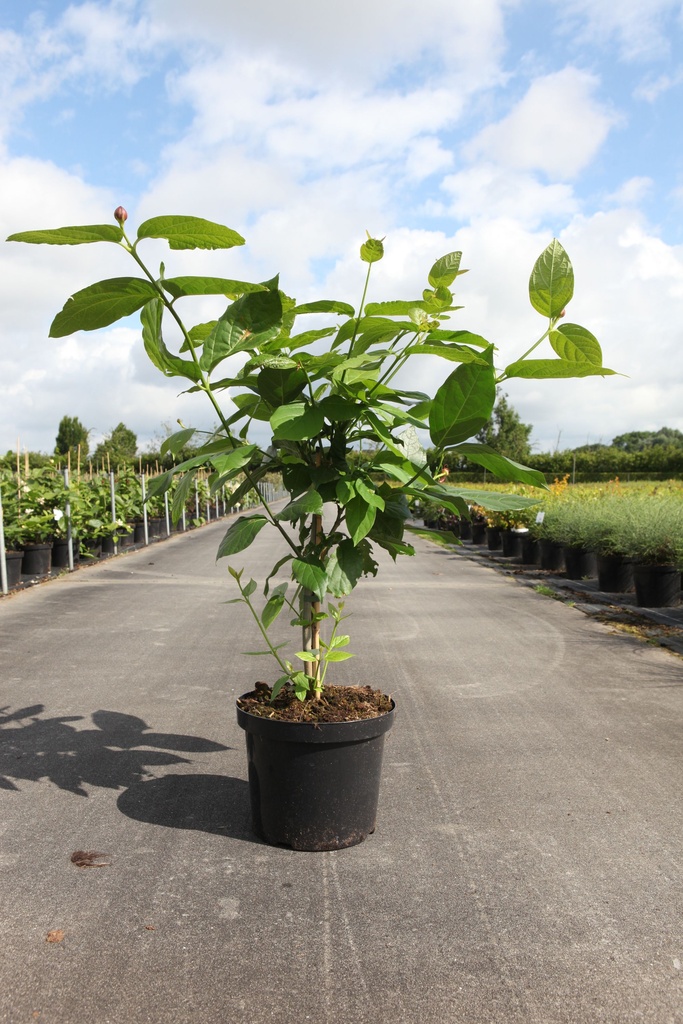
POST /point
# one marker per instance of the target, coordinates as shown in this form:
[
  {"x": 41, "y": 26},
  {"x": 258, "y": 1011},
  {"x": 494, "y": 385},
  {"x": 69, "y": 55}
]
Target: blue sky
[{"x": 487, "y": 127}]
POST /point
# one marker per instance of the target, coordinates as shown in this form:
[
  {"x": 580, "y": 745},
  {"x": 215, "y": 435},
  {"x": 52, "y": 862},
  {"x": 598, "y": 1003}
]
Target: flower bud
[
  {"x": 563, "y": 313},
  {"x": 120, "y": 214}
]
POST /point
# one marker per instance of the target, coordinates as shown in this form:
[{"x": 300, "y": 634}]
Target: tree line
[{"x": 638, "y": 452}]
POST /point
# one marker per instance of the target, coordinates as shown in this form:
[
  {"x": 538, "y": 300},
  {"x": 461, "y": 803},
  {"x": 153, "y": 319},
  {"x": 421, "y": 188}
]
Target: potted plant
[
  {"x": 652, "y": 535},
  {"x": 314, "y": 396}
]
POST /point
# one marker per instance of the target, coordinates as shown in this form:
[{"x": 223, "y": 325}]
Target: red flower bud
[
  {"x": 120, "y": 214},
  {"x": 563, "y": 313}
]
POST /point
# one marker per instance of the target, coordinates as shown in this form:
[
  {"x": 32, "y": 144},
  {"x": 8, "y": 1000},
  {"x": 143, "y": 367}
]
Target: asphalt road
[{"x": 527, "y": 862}]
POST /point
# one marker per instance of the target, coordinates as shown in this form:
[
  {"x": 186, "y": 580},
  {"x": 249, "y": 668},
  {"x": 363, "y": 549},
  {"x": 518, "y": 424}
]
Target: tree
[
  {"x": 640, "y": 440},
  {"x": 506, "y": 433},
  {"x": 120, "y": 446},
  {"x": 70, "y": 435}
]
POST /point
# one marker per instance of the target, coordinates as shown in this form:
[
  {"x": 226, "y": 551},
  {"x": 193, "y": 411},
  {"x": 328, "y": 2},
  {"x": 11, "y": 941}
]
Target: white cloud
[
  {"x": 491, "y": 192},
  {"x": 556, "y": 128},
  {"x": 643, "y": 29}
]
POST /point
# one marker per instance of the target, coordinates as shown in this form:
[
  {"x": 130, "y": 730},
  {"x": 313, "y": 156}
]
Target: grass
[{"x": 445, "y": 538}]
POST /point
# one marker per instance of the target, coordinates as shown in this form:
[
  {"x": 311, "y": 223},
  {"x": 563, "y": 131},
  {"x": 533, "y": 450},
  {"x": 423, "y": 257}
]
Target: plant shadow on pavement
[
  {"x": 116, "y": 755},
  {"x": 217, "y": 804}
]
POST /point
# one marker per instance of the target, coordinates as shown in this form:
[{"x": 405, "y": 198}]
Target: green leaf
[
  {"x": 551, "y": 284},
  {"x": 325, "y": 306},
  {"x": 182, "y": 286},
  {"x": 360, "y": 518},
  {"x": 368, "y": 493},
  {"x": 396, "y": 308},
  {"x": 309, "y": 503},
  {"x": 338, "y": 656},
  {"x": 372, "y": 251},
  {"x": 279, "y": 386},
  {"x": 500, "y": 466},
  {"x": 274, "y": 605},
  {"x": 177, "y": 441},
  {"x": 170, "y": 365},
  {"x": 445, "y": 270},
  {"x": 80, "y": 235},
  {"x": 190, "y": 233},
  {"x": 494, "y": 500},
  {"x": 575, "y": 343},
  {"x": 463, "y": 403},
  {"x": 338, "y": 409},
  {"x": 159, "y": 484},
  {"x": 277, "y": 686},
  {"x": 241, "y": 534},
  {"x": 455, "y": 353},
  {"x": 344, "y": 568},
  {"x": 246, "y": 324},
  {"x": 181, "y": 494},
  {"x": 249, "y": 589},
  {"x": 232, "y": 462},
  {"x": 544, "y": 369},
  {"x": 310, "y": 573},
  {"x": 296, "y": 421},
  {"x": 307, "y": 656},
  {"x": 102, "y": 304}
]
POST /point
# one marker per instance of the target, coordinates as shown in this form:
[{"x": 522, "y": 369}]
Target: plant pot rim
[{"x": 315, "y": 732}]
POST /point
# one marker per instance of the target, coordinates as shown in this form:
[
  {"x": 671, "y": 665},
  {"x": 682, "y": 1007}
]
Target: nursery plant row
[
  {"x": 628, "y": 536},
  {"x": 51, "y": 521}
]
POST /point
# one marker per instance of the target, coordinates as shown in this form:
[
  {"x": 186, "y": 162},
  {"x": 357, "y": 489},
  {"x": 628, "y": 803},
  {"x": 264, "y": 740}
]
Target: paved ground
[{"x": 527, "y": 862}]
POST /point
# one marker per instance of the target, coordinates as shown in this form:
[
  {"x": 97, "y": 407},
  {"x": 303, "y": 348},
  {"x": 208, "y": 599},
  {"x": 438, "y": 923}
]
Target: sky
[{"x": 487, "y": 127}]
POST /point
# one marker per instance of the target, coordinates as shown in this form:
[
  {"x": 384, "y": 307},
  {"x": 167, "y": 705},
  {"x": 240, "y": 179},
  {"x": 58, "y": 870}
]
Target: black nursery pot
[
  {"x": 552, "y": 554},
  {"x": 579, "y": 564},
  {"x": 615, "y": 574},
  {"x": 37, "y": 560},
  {"x": 657, "y": 586},
  {"x": 314, "y": 787},
  {"x": 13, "y": 560}
]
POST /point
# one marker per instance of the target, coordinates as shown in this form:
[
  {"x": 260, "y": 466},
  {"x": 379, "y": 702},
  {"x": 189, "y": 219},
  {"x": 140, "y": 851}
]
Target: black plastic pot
[
  {"x": 60, "y": 552},
  {"x": 615, "y": 574},
  {"x": 657, "y": 586},
  {"x": 13, "y": 560},
  {"x": 511, "y": 543},
  {"x": 579, "y": 564},
  {"x": 127, "y": 536},
  {"x": 478, "y": 533},
  {"x": 493, "y": 540},
  {"x": 314, "y": 787},
  {"x": 465, "y": 529},
  {"x": 37, "y": 560},
  {"x": 531, "y": 552},
  {"x": 139, "y": 533},
  {"x": 552, "y": 554}
]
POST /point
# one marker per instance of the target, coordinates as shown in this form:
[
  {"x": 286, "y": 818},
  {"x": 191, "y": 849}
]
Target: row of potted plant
[
  {"x": 613, "y": 533},
  {"x": 40, "y": 512}
]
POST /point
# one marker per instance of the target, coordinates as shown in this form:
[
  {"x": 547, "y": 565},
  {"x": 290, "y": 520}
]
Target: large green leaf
[
  {"x": 360, "y": 518},
  {"x": 190, "y": 233},
  {"x": 310, "y": 573},
  {"x": 463, "y": 403},
  {"x": 445, "y": 270},
  {"x": 551, "y": 284},
  {"x": 543, "y": 369},
  {"x": 240, "y": 535},
  {"x": 102, "y": 304},
  {"x": 80, "y": 235},
  {"x": 325, "y": 306},
  {"x": 576, "y": 344},
  {"x": 232, "y": 462},
  {"x": 296, "y": 421},
  {"x": 274, "y": 605},
  {"x": 494, "y": 500},
  {"x": 180, "y": 286},
  {"x": 279, "y": 386},
  {"x": 169, "y": 364},
  {"x": 246, "y": 324},
  {"x": 397, "y": 308},
  {"x": 499, "y": 465},
  {"x": 309, "y": 503},
  {"x": 455, "y": 353},
  {"x": 338, "y": 409},
  {"x": 344, "y": 568},
  {"x": 177, "y": 441}
]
